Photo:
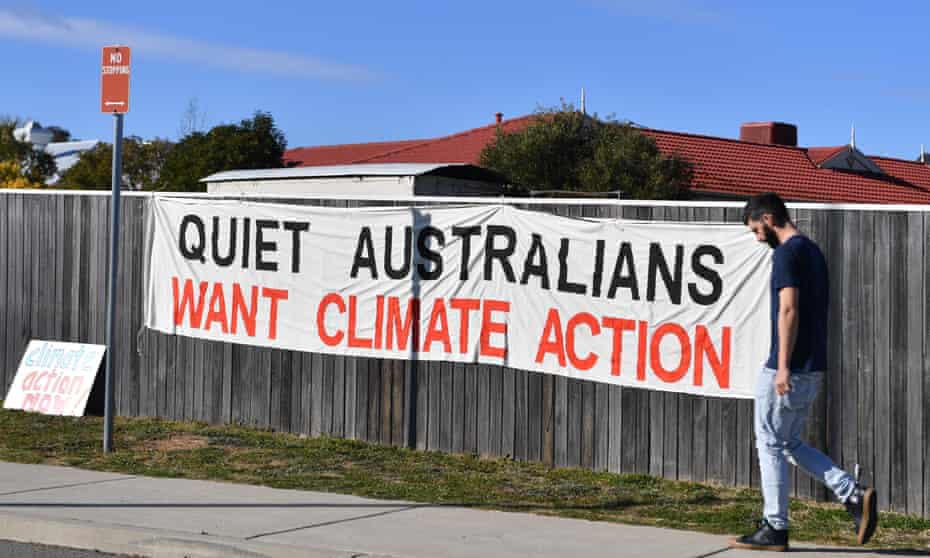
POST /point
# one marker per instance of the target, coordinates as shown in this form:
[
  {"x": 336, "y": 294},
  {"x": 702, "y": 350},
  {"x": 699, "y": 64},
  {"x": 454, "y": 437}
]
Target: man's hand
[{"x": 782, "y": 381}]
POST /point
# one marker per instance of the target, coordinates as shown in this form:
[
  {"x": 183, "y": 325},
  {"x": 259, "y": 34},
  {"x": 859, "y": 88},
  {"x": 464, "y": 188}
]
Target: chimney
[
  {"x": 499, "y": 117},
  {"x": 770, "y": 133}
]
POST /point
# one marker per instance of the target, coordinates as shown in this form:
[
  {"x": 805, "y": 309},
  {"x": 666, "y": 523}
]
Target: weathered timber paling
[{"x": 873, "y": 411}]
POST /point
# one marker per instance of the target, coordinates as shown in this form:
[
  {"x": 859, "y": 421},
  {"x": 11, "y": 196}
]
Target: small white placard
[{"x": 55, "y": 378}]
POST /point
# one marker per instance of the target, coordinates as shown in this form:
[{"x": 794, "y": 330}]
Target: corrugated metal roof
[
  {"x": 67, "y": 154},
  {"x": 60, "y": 148},
  {"x": 384, "y": 169}
]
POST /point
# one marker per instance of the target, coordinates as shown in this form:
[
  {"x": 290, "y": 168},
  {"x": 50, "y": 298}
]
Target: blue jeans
[{"x": 779, "y": 422}]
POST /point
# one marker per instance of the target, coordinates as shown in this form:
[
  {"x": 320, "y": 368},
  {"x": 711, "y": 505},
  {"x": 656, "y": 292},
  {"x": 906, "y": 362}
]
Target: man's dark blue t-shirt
[{"x": 798, "y": 262}]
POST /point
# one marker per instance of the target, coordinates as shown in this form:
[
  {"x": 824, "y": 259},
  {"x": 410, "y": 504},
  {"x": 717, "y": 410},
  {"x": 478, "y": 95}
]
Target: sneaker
[
  {"x": 765, "y": 538},
  {"x": 862, "y": 505}
]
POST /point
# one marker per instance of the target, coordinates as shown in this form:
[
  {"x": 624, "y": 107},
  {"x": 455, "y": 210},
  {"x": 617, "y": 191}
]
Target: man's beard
[{"x": 770, "y": 237}]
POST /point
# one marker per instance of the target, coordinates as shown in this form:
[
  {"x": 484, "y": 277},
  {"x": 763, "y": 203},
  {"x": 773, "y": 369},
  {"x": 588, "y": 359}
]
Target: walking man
[{"x": 791, "y": 378}]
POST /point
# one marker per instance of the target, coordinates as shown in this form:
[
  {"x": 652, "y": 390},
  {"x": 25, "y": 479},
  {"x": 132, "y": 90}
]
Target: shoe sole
[
  {"x": 869, "y": 516},
  {"x": 771, "y": 548}
]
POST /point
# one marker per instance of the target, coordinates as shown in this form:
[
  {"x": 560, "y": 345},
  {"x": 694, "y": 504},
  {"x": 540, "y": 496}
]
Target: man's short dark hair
[{"x": 770, "y": 203}]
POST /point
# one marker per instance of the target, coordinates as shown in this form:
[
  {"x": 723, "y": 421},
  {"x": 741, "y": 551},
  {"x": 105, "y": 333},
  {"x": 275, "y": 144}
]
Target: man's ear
[{"x": 768, "y": 220}]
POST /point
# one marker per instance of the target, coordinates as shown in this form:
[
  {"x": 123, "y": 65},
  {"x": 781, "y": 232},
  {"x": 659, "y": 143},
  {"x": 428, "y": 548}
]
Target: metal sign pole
[{"x": 111, "y": 284}]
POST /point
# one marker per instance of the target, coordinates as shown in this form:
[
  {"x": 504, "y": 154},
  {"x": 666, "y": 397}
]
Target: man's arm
[{"x": 787, "y": 335}]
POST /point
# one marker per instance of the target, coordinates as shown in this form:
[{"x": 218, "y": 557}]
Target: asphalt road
[{"x": 9, "y": 549}]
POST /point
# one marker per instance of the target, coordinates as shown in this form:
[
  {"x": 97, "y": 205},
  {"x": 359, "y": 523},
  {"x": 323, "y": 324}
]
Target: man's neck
[{"x": 786, "y": 232}]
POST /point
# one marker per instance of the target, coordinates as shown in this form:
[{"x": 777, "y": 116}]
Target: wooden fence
[{"x": 875, "y": 409}]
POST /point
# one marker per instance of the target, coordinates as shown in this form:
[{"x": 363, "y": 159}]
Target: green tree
[
  {"x": 254, "y": 143},
  {"x": 34, "y": 165},
  {"x": 564, "y": 149},
  {"x": 142, "y": 164}
]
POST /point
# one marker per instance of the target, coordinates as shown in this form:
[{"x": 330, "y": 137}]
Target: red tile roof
[
  {"x": 721, "y": 165},
  {"x": 464, "y": 147},
  {"x": 820, "y": 154},
  {"x": 743, "y": 168},
  {"x": 342, "y": 154},
  {"x": 914, "y": 172}
]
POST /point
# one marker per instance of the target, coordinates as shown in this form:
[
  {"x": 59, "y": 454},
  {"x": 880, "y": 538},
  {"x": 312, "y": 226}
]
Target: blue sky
[{"x": 352, "y": 71}]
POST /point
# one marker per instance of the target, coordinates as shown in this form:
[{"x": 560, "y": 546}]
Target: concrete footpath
[{"x": 143, "y": 516}]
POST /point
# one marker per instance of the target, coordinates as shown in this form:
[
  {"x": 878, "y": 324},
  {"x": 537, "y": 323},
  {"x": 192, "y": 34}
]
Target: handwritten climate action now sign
[
  {"x": 55, "y": 378},
  {"x": 669, "y": 306}
]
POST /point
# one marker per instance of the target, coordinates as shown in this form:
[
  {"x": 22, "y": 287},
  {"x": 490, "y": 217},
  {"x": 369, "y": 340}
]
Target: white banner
[{"x": 669, "y": 306}]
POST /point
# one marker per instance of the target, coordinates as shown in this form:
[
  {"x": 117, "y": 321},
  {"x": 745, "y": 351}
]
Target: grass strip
[{"x": 161, "y": 448}]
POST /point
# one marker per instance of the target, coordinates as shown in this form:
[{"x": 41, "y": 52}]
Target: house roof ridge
[
  {"x": 897, "y": 160},
  {"x": 340, "y": 145},
  {"x": 721, "y": 138},
  {"x": 451, "y": 136},
  {"x": 489, "y": 126},
  {"x": 804, "y": 151},
  {"x": 818, "y": 155},
  {"x": 414, "y": 144}
]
